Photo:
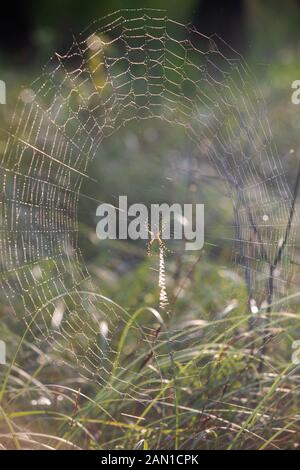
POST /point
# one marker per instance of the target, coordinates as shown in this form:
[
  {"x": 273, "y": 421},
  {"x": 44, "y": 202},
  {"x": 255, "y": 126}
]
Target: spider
[{"x": 155, "y": 236}]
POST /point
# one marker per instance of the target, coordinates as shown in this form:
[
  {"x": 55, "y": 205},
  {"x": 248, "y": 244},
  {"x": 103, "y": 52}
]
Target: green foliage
[{"x": 217, "y": 391}]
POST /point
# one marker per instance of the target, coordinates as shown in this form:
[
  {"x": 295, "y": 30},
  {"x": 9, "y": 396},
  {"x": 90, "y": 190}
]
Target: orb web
[{"x": 129, "y": 66}]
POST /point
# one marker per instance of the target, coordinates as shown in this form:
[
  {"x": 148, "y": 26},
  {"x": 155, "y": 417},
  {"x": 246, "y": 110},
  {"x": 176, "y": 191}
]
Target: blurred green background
[
  {"x": 148, "y": 163},
  {"x": 151, "y": 162}
]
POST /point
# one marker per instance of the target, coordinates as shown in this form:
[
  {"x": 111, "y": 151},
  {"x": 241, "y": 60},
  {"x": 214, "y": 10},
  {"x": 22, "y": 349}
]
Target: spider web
[{"x": 131, "y": 65}]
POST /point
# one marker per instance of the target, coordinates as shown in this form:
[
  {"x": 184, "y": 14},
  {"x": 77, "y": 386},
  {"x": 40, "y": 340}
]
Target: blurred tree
[
  {"x": 15, "y": 31},
  {"x": 227, "y": 19}
]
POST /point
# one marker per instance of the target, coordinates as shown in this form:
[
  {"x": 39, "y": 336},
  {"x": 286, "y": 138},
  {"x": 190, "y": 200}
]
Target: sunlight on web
[{"x": 129, "y": 66}]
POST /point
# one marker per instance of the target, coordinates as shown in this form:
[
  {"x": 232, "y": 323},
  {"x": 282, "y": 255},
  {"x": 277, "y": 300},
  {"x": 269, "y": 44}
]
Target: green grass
[{"x": 202, "y": 387}]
